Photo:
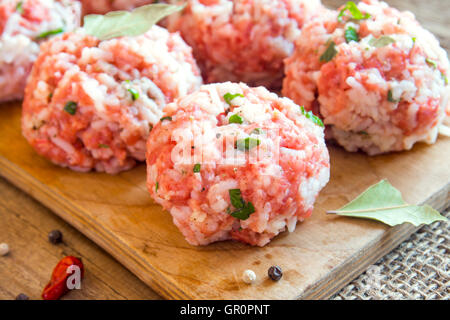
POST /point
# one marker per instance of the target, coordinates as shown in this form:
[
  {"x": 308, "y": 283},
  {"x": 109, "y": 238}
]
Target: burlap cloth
[{"x": 417, "y": 269}]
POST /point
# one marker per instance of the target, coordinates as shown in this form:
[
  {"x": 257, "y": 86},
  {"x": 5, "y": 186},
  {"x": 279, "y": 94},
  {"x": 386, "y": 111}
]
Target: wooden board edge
[
  {"x": 378, "y": 248},
  {"x": 57, "y": 204},
  {"x": 324, "y": 289}
]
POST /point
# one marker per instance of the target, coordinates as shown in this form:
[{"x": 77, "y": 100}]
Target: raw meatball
[
  {"x": 243, "y": 40},
  {"x": 23, "y": 26},
  {"x": 234, "y": 162},
  {"x": 380, "y": 83},
  {"x": 90, "y": 104}
]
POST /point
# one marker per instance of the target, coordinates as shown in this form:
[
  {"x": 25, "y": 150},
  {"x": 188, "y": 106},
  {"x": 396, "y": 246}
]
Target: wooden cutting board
[{"x": 320, "y": 257}]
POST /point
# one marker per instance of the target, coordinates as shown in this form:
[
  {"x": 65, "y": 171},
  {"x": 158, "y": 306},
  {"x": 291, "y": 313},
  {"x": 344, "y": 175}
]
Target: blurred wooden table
[{"x": 24, "y": 223}]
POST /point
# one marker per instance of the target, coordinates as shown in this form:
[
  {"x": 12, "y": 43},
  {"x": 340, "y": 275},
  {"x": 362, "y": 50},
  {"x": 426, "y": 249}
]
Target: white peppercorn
[
  {"x": 4, "y": 249},
  {"x": 249, "y": 276}
]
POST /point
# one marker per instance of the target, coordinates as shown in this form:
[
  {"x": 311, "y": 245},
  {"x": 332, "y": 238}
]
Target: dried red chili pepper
[{"x": 57, "y": 286}]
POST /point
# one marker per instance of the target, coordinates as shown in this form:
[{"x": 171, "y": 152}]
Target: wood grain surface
[
  {"x": 24, "y": 223},
  {"x": 321, "y": 256}
]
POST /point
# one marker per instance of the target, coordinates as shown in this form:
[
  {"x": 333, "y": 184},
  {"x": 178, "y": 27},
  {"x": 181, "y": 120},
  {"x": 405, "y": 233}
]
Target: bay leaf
[
  {"x": 127, "y": 23},
  {"x": 382, "y": 202}
]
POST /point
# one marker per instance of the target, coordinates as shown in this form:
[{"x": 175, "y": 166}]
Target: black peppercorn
[
  {"x": 55, "y": 237},
  {"x": 275, "y": 273},
  {"x": 22, "y": 296}
]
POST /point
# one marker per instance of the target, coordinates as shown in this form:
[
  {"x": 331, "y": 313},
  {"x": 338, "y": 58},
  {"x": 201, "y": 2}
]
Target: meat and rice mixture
[
  {"x": 104, "y": 6},
  {"x": 23, "y": 26},
  {"x": 90, "y": 104},
  {"x": 243, "y": 40},
  {"x": 234, "y": 162},
  {"x": 378, "y": 78}
]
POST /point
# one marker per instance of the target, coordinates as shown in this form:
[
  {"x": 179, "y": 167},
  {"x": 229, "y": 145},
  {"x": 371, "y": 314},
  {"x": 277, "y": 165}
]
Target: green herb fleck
[
  {"x": 229, "y": 97},
  {"x": 134, "y": 94},
  {"x": 312, "y": 117},
  {"x": 444, "y": 77},
  {"x": 70, "y": 107},
  {"x": 380, "y": 42},
  {"x": 431, "y": 63},
  {"x": 235, "y": 118},
  {"x": 354, "y": 11},
  {"x": 244, "y": 213},
  {"x": 247, "y": 144},
  {"x": 236, "y": 198},
  {"x": 329, "y": 53},
  {"x": 391, "y": 97},
  {"x": 19, "y": 7},
  {"x": 351, "y": 35},
  {"x": 156, "y": 186},
  {"x": 102, "y": 145},
  {"x": 257, "y": 131},
  {"x": 384, "y": 203},
  {"x": 414, "y": 39},
  {"x": 50, "y": 33},
  {"x": 166, "y": 118},
  {"x": 197, "y": 168},
  {"x": 244, "y": 210}
]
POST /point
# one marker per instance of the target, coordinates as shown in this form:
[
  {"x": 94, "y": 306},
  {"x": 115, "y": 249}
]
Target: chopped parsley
[
  {"x": 243, "y": 209},
  {"x": 19, "y": 7},
  {"x": 354, "y": 11},
  {"x": 236, "y": 198},
  {"x": 235, "y": 118},
  {"x": 391, "y": 97},
  {"x": 329, "y": 53},
  {"x": 156, "y": 186},
  {"x": 245, "y": 212},
  {"x": 70, "y": 107},
  {"x": 134, "y": 94},
  {"x": 444, "y": 77},
  {"x": 380, "y": 42},
  {"x": 50, "y": 33},
  {"x": 351, "y": 35},
  {"x": 197, "y": 168},
  {"x": 431, "y": 63},
  {"x": 312, "y": 117},
  {"x": 247, "y": 144},
  {"x": 166, "y": 118},
  {"x": 229, "y": 97},
  {"x": 102, "y": 145},
  {"x": 257, "y": 131}
]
